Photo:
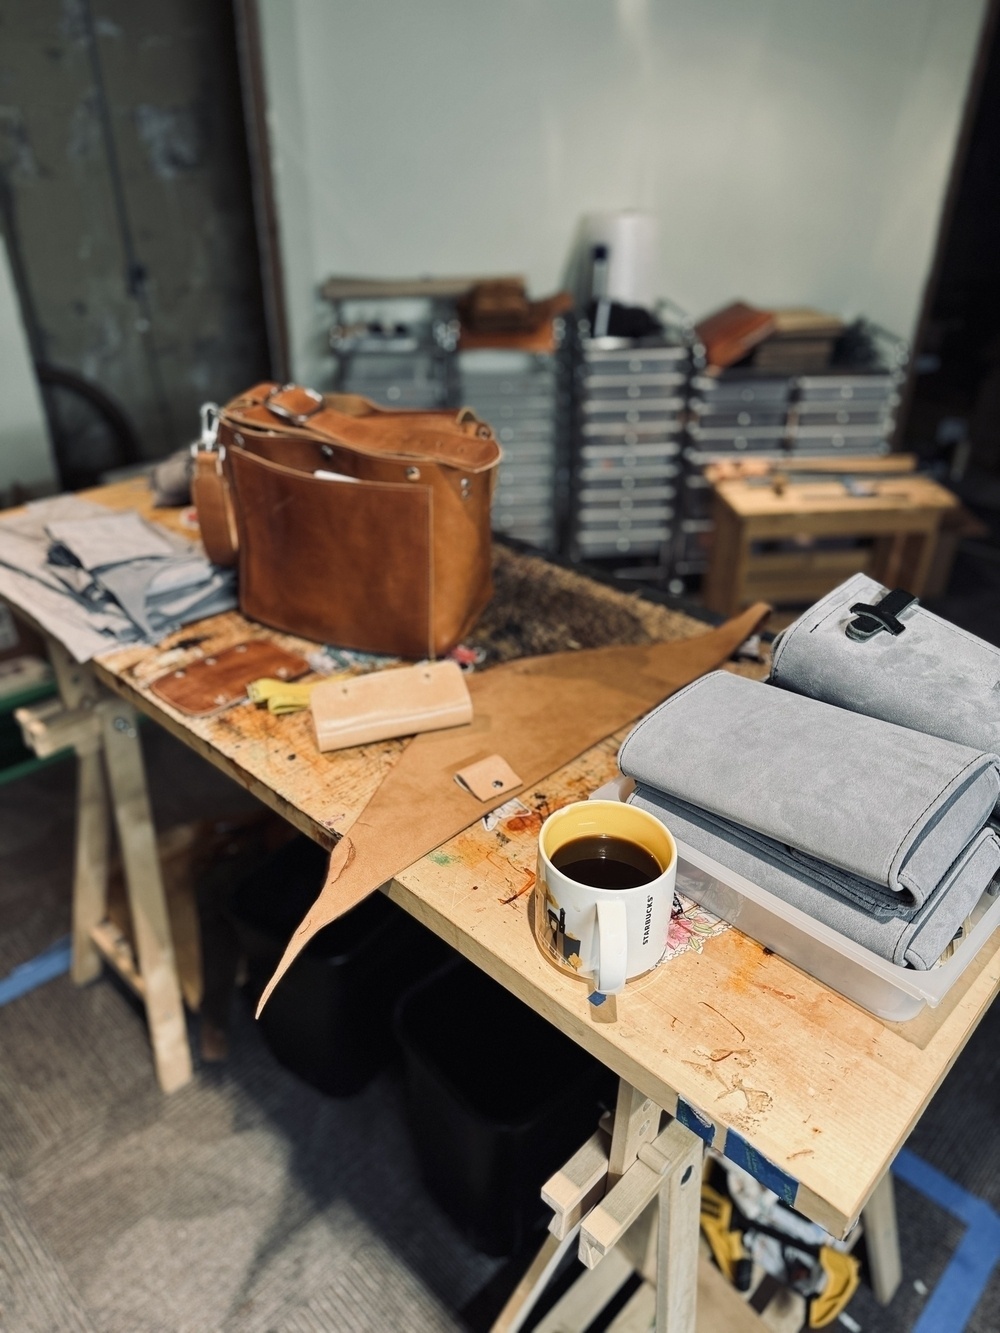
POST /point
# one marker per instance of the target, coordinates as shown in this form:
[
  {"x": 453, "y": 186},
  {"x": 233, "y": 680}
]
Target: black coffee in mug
[{"x": 603, "y": 861}]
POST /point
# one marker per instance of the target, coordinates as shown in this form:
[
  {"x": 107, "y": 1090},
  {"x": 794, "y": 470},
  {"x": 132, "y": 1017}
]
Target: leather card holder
[{"x": 218, "y": 680}]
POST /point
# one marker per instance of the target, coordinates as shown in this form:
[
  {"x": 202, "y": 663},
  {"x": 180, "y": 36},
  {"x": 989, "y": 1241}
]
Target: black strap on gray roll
[{"x": 882, "y": 616}]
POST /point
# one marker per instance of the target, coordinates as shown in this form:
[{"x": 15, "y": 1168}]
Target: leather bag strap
[{"x": 214, "y": 501}]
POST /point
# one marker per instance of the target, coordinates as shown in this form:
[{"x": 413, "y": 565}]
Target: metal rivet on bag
[
  {"x": 326, "y": 450},
  {"x": 465, "y": 488},
  {"x": 412, "y": 474},
  {"x": 237, "y": 437}
]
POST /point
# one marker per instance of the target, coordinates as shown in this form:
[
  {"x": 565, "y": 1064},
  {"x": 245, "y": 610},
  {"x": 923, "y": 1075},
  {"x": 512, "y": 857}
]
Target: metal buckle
[
  {"x": 206, "y": 441},
  {"x": 884, "y": 615},
  {"x": 295, "y": 418}
]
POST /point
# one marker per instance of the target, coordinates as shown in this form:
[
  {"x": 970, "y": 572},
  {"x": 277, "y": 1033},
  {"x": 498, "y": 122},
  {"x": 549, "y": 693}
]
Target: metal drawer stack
[
  {"x": 849, "y": 409},
  {"x": 843, "y": 414},
  {"x": 524, "y": 396},
  {"x": 626, "y": 465},
  {"x": 398, "y": 363},
  {"x": 734, "y": 414}
]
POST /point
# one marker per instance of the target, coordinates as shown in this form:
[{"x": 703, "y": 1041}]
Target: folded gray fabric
[
  {"x": 94, "y": 578},
  {"x": 877, "y": 813},
  {"x": 933, "y": 677},
  {"x": 160, "y": 594},
  {"x": 111, "y": 539},
  {"x": 914, "y": 936}
]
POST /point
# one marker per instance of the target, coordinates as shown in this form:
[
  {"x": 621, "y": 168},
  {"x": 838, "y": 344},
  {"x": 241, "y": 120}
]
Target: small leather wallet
[{"x": 401, "y": 701}]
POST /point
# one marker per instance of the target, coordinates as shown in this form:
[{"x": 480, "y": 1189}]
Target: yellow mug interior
[{"x": 585, "y": 819}]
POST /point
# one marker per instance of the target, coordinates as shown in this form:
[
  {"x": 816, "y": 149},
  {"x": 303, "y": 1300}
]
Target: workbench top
[{"x": 811, "y": 1092}]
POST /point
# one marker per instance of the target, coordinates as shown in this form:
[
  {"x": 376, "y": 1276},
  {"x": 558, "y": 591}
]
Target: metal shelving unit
[
  {"x": 849, "y": 408},
  {"x": 526, "y": 398},
  {"x": 630, "y": 431}
]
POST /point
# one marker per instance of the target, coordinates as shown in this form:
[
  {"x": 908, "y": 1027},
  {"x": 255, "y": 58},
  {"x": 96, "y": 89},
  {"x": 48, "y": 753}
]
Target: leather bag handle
[{"x": 213, "y": 500}]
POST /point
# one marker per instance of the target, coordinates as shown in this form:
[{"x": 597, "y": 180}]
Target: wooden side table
[{"x": 901, "y": 515}]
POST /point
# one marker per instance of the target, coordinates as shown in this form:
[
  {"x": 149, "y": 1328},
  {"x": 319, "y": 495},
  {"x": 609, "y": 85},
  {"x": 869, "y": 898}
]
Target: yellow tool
[
  {"x": 716, "y": 1222},
  {"x": 281, "y": 696},
  {"x": 843, "y": 1273}
]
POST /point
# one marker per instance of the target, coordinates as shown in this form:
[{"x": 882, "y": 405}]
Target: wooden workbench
[
  {"x": 823, "y": 1093},
  {"x": 899, "y": 515},
  {"x": 811, "y": 1093}
]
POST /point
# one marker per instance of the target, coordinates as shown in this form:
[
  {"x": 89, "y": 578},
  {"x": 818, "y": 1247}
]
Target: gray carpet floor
[{"x": 247, "y": 1202}]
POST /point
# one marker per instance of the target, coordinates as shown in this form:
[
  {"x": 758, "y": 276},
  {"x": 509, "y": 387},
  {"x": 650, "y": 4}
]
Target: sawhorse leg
[
  {"x": 634, "y": 1197},
  {"x": 885, "y": 1266},
  {"x": 104, "y": 733},
  {"x": 79, "y": 690},
  {"x": 147, "y": 900},
  {"x": 647, "y": 1221}
]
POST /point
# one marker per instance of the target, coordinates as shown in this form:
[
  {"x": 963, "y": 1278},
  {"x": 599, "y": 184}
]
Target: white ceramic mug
[{"x": 606, "y": 935}]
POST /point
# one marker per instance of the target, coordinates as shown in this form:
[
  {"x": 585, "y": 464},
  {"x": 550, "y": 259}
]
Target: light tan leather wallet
[{"x": 401, "y": 701}]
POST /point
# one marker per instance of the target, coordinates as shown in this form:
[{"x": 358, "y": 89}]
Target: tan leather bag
[
  {"x": 352, "y": 524},
  {"x": 403, "y": 701}
]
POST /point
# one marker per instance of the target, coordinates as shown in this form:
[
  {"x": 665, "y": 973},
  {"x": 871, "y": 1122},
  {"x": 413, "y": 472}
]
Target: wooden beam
[{"x": 147, "y": 902}]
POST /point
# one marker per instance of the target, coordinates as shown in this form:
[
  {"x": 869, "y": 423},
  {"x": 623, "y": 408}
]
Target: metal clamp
[{"x": 206, "y": 441}]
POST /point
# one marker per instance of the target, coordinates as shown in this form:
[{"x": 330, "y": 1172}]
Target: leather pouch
[
  {"x": 209, "y": 684},
  {"x": 929, "y": 675},
  {"x": 402, "y": 701},
  {"x": 351, "y": 524}
]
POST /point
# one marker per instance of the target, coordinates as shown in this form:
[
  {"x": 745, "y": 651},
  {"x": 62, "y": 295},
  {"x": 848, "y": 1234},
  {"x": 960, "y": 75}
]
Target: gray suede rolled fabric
[
  {"x": 880, "y": 831},
  {"x": 914, "y": 937},
  {"x": 933, "y": 677}
]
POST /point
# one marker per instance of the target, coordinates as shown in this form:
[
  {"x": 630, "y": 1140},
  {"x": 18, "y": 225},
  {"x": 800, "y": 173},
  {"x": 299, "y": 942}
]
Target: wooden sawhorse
[
  {"x": 103, "y": 730},
  {"x": 630, "y": 1200}
]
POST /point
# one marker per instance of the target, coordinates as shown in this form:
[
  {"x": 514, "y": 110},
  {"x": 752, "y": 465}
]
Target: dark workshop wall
[{"x": 125, "y": 197}]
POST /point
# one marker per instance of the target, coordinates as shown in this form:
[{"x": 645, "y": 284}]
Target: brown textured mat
[{"x": 539, "y": 607}]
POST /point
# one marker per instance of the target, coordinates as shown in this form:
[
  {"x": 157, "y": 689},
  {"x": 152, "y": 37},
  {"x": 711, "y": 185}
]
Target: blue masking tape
[
  {"x": 52, "y": 963},
  {"x": 695, "y": 1121},
  {"x": 770, "y": 1176},
  {"x": 957, "y": 1293}
]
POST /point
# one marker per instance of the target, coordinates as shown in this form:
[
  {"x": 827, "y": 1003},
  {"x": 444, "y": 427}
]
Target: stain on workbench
[{"x": 526, "y": 887}]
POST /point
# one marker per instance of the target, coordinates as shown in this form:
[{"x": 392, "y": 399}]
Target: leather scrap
[
  {"x": 540, "y": 713},
  {"x": 209, "y": 684},
  {"x": 490, "y": 777}
]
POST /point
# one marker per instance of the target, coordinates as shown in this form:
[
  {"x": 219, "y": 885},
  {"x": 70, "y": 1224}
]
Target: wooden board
[
  {"x": 818, "y": 1090},
  {"x": 802, "y": 499}
]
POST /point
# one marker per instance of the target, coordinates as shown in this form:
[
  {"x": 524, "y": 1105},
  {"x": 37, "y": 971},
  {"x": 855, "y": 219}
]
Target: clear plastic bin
[{"x": 885, "y": 989}]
